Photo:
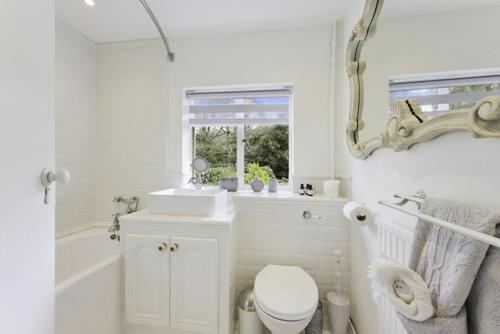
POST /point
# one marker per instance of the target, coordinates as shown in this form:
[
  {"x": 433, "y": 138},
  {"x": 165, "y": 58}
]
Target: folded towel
[
  {"x": 448, "y": 262},
  {"x": 483, "y": 304},
  {"x": 438, "y": 325},
  {"x": 405, "y": 289}
]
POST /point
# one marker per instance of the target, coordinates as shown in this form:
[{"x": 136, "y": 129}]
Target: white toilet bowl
[{"x": 285, "y": 298}]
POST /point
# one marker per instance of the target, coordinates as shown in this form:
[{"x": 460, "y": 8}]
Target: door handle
[
  {"x": 174, "y": 247},
  {"x": 48, "y": 176},
  {"x": 162, "y": 247}
]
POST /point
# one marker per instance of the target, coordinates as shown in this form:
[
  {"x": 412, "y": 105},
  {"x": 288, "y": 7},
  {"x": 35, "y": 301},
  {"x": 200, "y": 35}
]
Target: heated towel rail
[{"x": 419, "y": 199}]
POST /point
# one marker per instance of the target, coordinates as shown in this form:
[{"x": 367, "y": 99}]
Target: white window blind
[
  {"x": 247, "y": 107},
  {"x": 441, "y": 92}
]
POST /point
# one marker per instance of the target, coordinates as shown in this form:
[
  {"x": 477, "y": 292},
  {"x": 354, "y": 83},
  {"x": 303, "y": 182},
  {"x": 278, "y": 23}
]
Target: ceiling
[
  {"x": 395, "y": 8},
  {"x": 123, "y": 20}
]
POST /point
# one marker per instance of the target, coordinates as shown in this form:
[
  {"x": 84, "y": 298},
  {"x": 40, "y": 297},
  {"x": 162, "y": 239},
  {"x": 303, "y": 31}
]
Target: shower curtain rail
[
  {"x": 170, "y": 53},
  {"x": 419, "y": 199}
]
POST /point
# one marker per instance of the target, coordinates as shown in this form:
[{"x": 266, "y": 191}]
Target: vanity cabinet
[
  {"x": 147, "y": 279},
  {"x": 179, "y": 276},
  {"x": 194, "y": 288}
]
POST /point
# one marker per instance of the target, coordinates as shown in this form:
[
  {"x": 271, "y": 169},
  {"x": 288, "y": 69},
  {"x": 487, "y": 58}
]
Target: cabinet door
[
  {"x": 194, "y": 285},
  {"x": 147, "y": 279}
]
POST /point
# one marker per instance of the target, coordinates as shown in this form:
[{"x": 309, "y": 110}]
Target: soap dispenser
[{"x": 273, "y": 184}]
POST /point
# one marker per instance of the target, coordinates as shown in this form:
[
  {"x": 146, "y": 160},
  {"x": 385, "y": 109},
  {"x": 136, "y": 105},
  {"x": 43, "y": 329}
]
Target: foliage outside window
[
  {"x": 241, "y": 133},
  {"x": 265, "y": 149}
]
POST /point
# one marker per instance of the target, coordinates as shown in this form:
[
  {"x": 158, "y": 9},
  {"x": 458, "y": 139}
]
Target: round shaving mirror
[{"x": 200, "y": 164}]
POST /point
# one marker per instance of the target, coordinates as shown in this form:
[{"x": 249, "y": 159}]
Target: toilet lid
[{"x": 286, "y": 293}]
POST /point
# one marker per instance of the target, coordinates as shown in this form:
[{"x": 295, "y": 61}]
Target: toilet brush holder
[{"x": 338, "y": 310}]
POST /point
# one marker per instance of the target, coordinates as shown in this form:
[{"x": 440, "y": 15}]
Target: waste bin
[
  {"x": 316, "y": 324},
  {"x": 249, "y": 320}
]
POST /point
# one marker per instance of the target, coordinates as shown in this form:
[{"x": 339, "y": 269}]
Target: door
[
  {"x": 194, "y": 285},
  {"x": 26, "y": 146},
  {"x": 147, "y": 279}
]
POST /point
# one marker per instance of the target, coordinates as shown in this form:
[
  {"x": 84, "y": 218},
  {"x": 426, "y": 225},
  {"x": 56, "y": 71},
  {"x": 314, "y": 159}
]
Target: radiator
[{"x": 394, "y": 243}]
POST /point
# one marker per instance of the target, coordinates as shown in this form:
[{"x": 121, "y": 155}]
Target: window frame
[{"x": 187, "y": 143}]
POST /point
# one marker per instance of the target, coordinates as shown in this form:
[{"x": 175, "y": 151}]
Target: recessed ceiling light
[{"x": 91, "y": 3}]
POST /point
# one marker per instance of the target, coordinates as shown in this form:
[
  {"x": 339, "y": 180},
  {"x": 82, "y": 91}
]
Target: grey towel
[
  {"x": 483, "y": 304},
  {"x": 448, "y": 262}
]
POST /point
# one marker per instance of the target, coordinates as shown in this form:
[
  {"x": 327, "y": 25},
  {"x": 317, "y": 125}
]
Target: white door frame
[{"x": 26, "y": 146}]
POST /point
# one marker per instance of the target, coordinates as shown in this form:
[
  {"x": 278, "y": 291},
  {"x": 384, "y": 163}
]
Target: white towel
[
  {"x": 448, "y": 263},
  {"x": 405, "y": 289}
]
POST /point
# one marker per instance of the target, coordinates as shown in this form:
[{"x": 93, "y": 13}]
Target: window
[
  {"x": 438, "y": 93},
  {"x": 241, "y": 132}
]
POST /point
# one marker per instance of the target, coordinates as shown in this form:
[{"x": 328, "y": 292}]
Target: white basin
[{"x": 187, "y": 202}]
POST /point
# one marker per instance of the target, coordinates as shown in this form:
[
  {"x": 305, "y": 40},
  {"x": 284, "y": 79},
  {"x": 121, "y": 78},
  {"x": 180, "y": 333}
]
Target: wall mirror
[{"x": 417, "y": 71}]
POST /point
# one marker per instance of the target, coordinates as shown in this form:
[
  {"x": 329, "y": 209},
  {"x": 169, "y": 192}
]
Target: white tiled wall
[
  {"x": 274, "y": 232},
  {"x": 131, "y": 97},
  {"x": 75, "y": 116}
]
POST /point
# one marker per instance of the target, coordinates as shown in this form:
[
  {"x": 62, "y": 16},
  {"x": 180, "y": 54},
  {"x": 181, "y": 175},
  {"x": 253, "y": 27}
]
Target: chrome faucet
[
  {"x": 115, "y": 227},
  {"x": 196, "y": 181},
  {"x": 131, "y": 202}
]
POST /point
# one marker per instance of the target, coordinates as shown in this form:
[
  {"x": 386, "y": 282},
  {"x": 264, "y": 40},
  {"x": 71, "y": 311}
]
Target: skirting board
[{"x": 350, "y": 330}]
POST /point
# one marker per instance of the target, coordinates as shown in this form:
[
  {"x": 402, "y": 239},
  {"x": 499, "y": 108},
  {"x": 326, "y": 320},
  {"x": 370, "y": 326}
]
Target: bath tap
[
  {"x": 116, "y": 223},
  {"x": 115, "y": 227},
  {"x": 131, "y": 202},
  {"x": 196, "y": 181}
]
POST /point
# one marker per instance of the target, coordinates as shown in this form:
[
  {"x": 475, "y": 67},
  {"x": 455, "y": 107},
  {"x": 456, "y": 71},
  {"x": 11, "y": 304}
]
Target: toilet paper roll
[{"x": 357, "y": 213}]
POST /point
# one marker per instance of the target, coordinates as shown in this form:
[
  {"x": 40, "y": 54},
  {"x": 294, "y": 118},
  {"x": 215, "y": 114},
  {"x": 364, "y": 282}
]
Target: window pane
[
  {"x": 217, "y": 145},
  {"x": 266, "y": 152}
]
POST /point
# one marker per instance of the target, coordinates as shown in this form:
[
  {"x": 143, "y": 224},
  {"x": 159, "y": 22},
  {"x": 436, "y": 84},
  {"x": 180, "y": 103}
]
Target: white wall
[
  {"x": 455, "y": 166},
  {"x": 300, "y": 56},
  {"x": 76, "y": 113},
  {"x": 139, "y": 131},
  {"x": 131, "y": 126},
  {"x": 274, "y": 231}
]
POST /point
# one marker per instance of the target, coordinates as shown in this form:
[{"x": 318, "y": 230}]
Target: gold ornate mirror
[{"x": 422, "y": 74}]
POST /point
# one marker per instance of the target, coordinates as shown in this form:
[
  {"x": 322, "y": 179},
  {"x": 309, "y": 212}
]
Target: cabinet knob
[
  {"x": 162, "y": 247},
  {"x": 174, "y": 247}
]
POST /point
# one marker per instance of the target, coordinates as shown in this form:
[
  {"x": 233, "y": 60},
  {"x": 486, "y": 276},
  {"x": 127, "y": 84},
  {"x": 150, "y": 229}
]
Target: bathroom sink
[{"x": 187, "y": 202}]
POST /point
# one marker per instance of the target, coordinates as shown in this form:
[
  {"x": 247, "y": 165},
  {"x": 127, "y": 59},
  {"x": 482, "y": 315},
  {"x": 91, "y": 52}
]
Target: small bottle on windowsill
[
  {"x": 302, "y": 190},
  {"x": 309, "y": 190}
]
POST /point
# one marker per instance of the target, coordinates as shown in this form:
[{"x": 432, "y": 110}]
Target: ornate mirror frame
[{"x": 406, "y": 125}]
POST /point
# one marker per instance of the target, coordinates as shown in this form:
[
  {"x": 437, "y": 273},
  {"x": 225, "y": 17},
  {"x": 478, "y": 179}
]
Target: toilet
[{"x": 285, "y": 298}]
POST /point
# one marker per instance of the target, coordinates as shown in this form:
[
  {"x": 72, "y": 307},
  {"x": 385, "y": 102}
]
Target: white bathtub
[{"x": 88, "y": 284}]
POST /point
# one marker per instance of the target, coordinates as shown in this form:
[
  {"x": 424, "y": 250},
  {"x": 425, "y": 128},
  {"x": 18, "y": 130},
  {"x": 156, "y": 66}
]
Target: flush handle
[{"x": 307, "y": 215}]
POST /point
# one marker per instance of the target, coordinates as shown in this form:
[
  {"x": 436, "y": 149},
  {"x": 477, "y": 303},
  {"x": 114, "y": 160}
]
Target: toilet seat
[{"x": 286, "y": 293}]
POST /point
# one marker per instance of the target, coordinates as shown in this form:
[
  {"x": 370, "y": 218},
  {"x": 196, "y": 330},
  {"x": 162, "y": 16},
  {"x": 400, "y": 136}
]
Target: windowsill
[
  {"x": 246, "y": 195},
  {"x": 282, "y": 196}
]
